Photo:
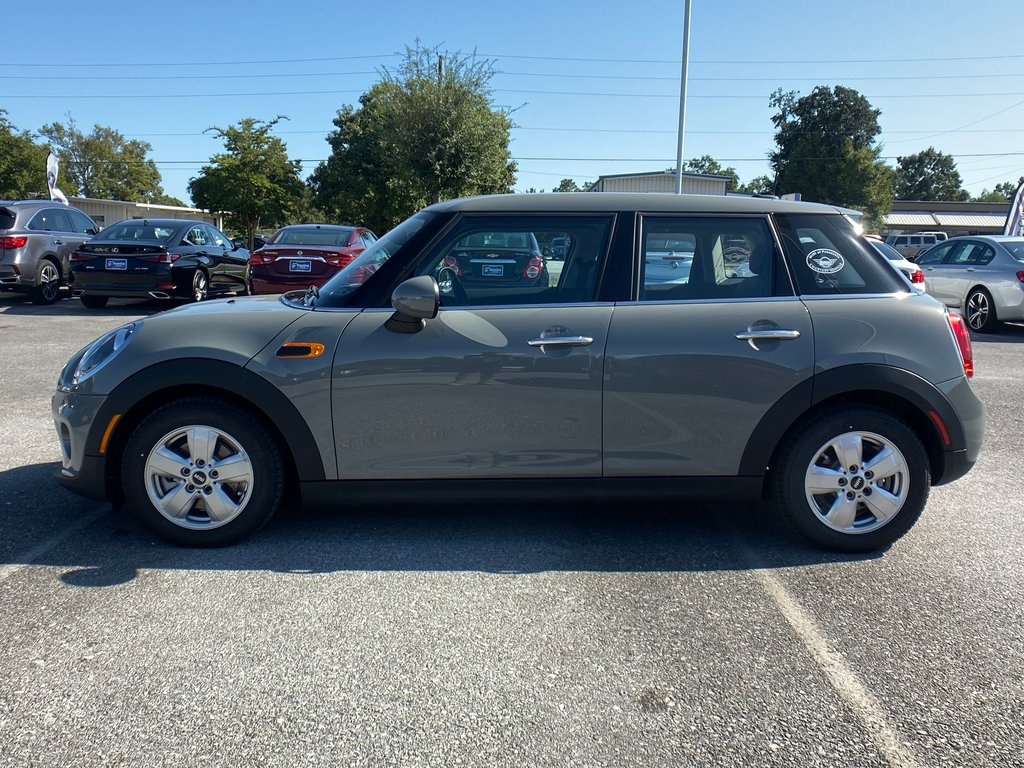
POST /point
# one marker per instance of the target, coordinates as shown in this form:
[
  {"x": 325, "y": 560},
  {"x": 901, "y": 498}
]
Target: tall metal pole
[{"x": 682, "y": 96}]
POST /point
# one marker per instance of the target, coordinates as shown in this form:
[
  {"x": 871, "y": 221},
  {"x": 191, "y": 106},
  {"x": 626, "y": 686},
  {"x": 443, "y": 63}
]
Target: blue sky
[{"x": 595, "y": 85}]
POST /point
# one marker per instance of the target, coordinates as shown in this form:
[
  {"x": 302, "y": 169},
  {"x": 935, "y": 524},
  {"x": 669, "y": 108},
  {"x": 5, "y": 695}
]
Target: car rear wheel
[
  {"x": 200, "y": 286},
  {"x": 47, "y": 289},
  {"x": 202, "y": 472},
  {"x": 94, "y": 302},
  {"x": 981, "y": 313},
  {"x": 853, "y": 481}
]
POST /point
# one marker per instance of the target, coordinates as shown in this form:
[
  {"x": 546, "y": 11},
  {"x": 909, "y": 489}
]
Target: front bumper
[{"x": 74, "y": 417}]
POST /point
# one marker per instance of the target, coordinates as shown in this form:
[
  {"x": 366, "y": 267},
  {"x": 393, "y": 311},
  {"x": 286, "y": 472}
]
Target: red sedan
[{"x": 300, "y": 255}]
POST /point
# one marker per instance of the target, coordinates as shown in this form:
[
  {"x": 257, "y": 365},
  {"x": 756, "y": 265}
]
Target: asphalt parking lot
[{"x": 503, "y": 635}]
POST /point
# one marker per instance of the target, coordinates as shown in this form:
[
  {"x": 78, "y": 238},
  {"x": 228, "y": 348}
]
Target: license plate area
[
  {"x": 300, "y": 265},
  {"x": 117, "y": 264},
  {"x": 492, "y": 270}
]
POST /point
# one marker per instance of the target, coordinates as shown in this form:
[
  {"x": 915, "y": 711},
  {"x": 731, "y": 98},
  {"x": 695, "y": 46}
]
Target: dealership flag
[
  {"x": 51, "y": 179},
  {"x": 1015, "y": 218}
]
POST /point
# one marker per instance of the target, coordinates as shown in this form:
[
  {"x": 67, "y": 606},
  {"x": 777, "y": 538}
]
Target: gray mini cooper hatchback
[{"x": 808, "y": 372}]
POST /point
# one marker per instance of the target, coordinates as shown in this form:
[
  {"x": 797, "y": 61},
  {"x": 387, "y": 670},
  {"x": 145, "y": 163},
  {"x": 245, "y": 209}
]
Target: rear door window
[
  {"x": 828, "y": 257},
  {"x": 51, "y": 220}
]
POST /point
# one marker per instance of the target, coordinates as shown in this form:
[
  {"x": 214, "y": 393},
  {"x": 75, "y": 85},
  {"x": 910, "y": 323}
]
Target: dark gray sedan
[
  {"x": 982, "y": 275},
  {"x": 792, "y": 379}
]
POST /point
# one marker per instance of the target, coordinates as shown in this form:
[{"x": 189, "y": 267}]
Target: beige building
[
  {"x": 909, "y": 216},
  {"x": 106, "y": 212},
  {"x": 661, "y": 181}
]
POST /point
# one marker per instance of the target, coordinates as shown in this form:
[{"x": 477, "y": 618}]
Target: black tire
[
  {"x": 184, "y": 475},
  {"x": 980, "y": 311},
  {"x": 94, "y": 302},
  {"x": 809, "y": 460},
  {"x": 47, "y": 287},
  {"x": 200, "y": 285}
]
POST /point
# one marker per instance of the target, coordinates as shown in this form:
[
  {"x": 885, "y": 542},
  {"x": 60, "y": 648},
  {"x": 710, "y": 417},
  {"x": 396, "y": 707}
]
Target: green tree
[
  {"x": 570, "y": 185},
  {"x": 928, "y": 175},
  {"x": 22, "y": 163},
  {"x": 759, "y": 185},
  {"x": 425, "y": 133},
  {"x": 252, "y": 181},
  {"x": 104, "y": 164},
  {"x": 827, "y": 150},
  {"x": 1001, "y": 193},
  {"x": 708, "y": 165}
]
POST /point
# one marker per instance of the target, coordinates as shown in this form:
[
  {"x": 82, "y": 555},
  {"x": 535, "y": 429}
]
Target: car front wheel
[
  {"x": 202, "y": 472},
  {"x": 853, "y": 481}
]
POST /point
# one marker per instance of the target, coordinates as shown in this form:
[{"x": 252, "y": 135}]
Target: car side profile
[
  {"x": 785, "y": 376},
  {"x": 980, "y": 275},
  {"x": 37, "y": 238}
]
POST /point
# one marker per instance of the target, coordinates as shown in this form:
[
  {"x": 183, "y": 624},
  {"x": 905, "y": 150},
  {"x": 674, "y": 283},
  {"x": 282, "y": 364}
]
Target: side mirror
[{"x": 415, "y": 301}]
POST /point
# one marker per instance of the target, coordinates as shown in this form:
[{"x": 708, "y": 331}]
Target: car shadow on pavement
[
  {"x": 106, "y": 547},
  {"x": 1007, "y": 333},
  {"x": 21, "y": 304}
]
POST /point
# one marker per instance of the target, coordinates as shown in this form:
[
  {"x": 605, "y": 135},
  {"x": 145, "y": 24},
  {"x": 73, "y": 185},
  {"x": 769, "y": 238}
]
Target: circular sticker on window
[{"x": 825, "y": 261}]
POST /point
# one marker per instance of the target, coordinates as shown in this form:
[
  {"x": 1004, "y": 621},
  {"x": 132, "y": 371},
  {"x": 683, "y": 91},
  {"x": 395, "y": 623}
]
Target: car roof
[{"x": 597, "y": 202}]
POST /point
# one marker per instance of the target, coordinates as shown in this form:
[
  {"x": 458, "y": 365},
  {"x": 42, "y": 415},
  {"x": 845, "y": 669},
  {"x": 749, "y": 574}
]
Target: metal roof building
[
  {"x": 661, "y": 181},
  {"x": 967, "y": 218}
]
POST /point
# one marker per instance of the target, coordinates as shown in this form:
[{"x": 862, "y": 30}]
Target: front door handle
[{"x": 561, "y": 341}]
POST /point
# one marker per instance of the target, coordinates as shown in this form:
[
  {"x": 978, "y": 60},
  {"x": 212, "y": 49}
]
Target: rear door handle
[
  {"x": 767, "y": 335},
  {"x": 561, "y": 341}
]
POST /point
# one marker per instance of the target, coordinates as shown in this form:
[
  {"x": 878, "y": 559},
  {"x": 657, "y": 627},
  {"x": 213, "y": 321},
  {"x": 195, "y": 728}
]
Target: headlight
[{"x": 102, "y": 351}]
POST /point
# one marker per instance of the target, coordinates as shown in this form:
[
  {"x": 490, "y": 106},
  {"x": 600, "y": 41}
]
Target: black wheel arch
[
  {"x": 898, "y": 391},
  {"x": 141, "y": 393}
]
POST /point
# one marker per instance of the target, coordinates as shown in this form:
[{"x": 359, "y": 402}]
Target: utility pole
[
  {"x": 440, "y": 65},
  {"x": 682, "y": 96}
]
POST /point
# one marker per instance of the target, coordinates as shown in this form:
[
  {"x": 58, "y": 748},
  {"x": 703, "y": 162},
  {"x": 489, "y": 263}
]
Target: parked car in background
[
  {"x": 939, "y": 236},
  {"x": 36, "y": 241},
  {"x": 493, "y": 259},
  {"x": 385, "y": 382},
  {"x": 981, "y": 275},
  {"x": 910, "y": 246},
  {"x": 300, "y": 255},
  {"x": 157, "y": 259},
  {"x": 907, "y": 267}
]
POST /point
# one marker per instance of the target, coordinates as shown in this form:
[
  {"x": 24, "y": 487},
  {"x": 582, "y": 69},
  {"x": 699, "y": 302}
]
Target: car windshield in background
[
  {"x": 314, "y": 236},
  {"x": 358, "y": 271},
  {"x": 888, "y": 251},
  {"x": 136, "y": 230}
]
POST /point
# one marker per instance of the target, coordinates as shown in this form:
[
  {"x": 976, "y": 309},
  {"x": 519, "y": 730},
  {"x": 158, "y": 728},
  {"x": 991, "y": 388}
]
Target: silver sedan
[{"x": 981, "y": 275}]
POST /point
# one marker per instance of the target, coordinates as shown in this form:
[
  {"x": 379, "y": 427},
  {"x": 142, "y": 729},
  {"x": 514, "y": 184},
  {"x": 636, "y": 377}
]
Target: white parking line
[
  {"x": 839, "y": 674},
  {"x": 25, "y": 559}
]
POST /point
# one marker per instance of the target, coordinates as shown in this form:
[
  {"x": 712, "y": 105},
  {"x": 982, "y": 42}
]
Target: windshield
[{"x": 359, "y": 270}]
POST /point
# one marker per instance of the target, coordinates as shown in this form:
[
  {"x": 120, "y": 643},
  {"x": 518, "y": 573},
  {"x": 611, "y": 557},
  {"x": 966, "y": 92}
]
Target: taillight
[
  {"x": 963, "y": 341},
  {"x": 79, "y": 256},
  {"x": 533, "y": 268},
  {"x": 1020, "y": 276},
  {"x": 452, "y": 263},
  {"x": 338, "y": 259},
  {"x": 258, "y": 258},
  {"x": 13, "y": 241},
  {"x": 161, "y": 258},
  {"x": 917, "y": 276}
]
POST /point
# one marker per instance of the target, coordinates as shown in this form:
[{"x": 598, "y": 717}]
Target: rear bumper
[
  {"x": 970, "y": 411},
  {"x": 263, "y": 286}
]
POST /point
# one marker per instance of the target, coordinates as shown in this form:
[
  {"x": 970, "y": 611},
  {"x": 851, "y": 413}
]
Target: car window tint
[
  {"x": 196, "y": 236},
  {"x": 706, "y": 258},
  {"x": 1016, "y": 249},
  {"x": 80, "y": 222},
  {"x": 51, "y": 220},
  {"x": 983, "y": 254},
  {"x": 936, "y": 255},
  {"x": 218, "y": 238},
  {"x": 828, "y": 257},
  {"x": 499, "y": 261}
]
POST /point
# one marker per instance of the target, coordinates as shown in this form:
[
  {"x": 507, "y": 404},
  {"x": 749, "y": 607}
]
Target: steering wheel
[{"x": 450, "y": 287}]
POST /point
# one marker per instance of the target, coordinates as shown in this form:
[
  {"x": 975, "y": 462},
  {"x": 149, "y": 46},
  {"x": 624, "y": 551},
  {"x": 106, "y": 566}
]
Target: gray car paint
[
  {"x": 951, "y": 283},
  {"x": 683, "y": 394},
  {"x": 468, "y": 397}
]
